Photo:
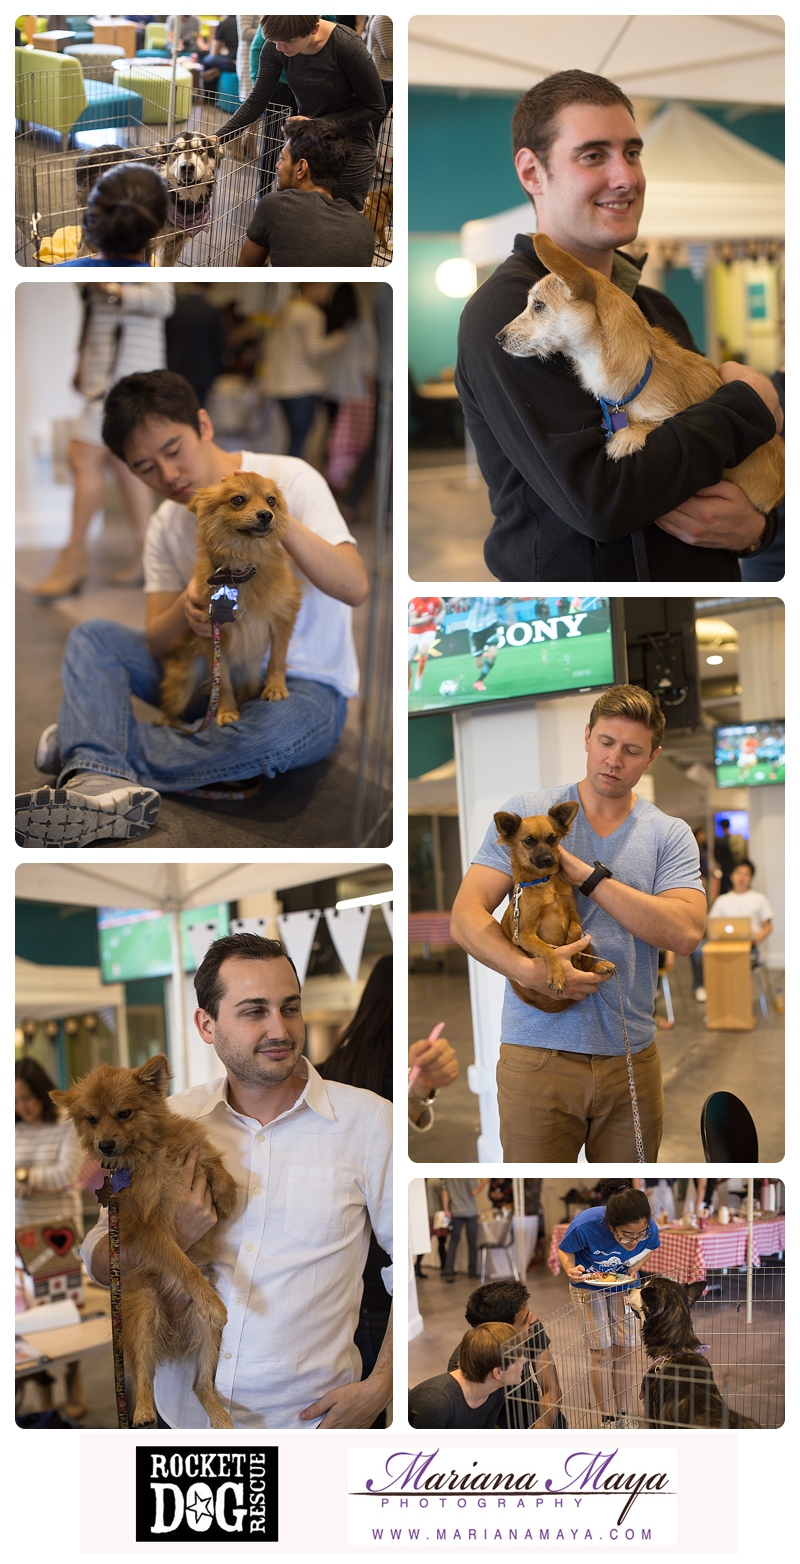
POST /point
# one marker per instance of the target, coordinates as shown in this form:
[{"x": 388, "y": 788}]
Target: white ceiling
[
  {"x": 167, "y": 887},
  {"x": 720, "y": 59}
]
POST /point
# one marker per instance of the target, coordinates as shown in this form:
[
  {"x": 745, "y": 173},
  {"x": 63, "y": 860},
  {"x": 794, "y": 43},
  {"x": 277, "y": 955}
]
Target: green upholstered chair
[
  {"x": 155, "y": 35},
  {"x": 152, "y": 83},
  {"x": 50, "y": 90}
]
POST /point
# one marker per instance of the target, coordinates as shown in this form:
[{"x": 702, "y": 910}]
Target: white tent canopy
[
  {"x": 719, "y": 59},
  {"x": 168, "y": 887},
  {"x": 47, "y": 993},
  {"x": 702, "y": 183}
]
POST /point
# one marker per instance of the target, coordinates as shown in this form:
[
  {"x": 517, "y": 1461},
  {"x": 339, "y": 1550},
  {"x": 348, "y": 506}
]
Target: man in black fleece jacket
[{"x": 562, "y": 510}]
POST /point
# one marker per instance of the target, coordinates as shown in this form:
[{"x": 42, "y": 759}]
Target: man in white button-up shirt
[{"x": 312, "y": 1160}]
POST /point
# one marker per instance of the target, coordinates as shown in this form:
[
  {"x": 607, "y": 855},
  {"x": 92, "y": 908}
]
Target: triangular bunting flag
[
  {"x": 348, "y": 930},
  {"x": 251, "y": 926},
  {"x": 387, "y": 909},
  {"x": 297, "y": 930},
  {"x": 201, "y": 937}
]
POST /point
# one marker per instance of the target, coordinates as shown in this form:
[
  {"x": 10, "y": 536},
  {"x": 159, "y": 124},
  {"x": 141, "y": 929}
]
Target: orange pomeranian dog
[
  {"x": 121, "y": 1118},
  {"x": 240, "y": 523},
  {"x": 578, "y": 312}
]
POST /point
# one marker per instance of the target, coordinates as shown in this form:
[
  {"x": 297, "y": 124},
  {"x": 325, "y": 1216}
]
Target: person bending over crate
[
  {"x": 109, "y": 767},
  {"x": 302, "y": 223}
]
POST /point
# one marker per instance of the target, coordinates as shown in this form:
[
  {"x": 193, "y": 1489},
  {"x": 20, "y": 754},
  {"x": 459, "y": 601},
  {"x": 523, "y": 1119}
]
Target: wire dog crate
[
  {"x": 51, "y": 187},
  {"x": 602, "y": 1387}
]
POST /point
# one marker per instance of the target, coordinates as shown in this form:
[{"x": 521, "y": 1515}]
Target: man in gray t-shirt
[
  {"x": 562, "y": 1077},
  {"x": 303, "y": 223}
]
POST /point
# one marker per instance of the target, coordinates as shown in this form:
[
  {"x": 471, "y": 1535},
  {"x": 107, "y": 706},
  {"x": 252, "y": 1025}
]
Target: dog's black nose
[
  {"x": 501, "y": 336},
  {"x": 264, "y": 517},
  {"x": 106, "y": 1145}
]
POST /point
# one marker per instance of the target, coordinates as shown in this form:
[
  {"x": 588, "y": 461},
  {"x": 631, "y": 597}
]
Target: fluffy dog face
[
  {"x": 188, "y": 160},
  {"x": 533, "y": 842},
  {"x": 237, "y": 516},
  {"x": 662, "y": 1309},
  {"x": 116, "y": 1112}
]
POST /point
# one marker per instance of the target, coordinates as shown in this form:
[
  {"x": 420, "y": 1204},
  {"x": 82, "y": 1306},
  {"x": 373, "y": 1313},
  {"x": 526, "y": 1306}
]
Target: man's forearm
[
  {"x": 664, "y": 922},
  {"x": 336, "y": 568},
  {"x": 162, "y": 634},
  {"x": 481, "y": 936}
]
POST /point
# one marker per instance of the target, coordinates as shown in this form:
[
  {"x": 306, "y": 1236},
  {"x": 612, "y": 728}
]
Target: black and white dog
[
  {"x": 678, "y": 1388},
  {"x": 188, "y": 164}
]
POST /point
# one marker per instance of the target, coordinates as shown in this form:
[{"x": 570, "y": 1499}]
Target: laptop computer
[{"x": 729, "y": 928}]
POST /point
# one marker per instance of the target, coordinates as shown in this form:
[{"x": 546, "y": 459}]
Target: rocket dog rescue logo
[
  {"x": 222, "y": 1495},
  {"x": 551, "y": 1495}
]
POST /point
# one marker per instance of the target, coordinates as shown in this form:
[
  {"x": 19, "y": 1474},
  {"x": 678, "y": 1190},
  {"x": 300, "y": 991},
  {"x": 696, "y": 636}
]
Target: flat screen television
[
  {"x": 750, "y": 754},
  {"x": 474, "y": 651},
  {"x": 136, "y": 943}
]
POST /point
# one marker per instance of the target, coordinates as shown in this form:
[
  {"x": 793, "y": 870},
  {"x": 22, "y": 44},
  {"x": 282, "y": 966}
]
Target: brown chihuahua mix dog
[
  {"x": 121, "y": 1119},
  {"x": 240, "y": 523},
  {"x": 546, "y": 911},
  {"x": 578, "y": 312}
]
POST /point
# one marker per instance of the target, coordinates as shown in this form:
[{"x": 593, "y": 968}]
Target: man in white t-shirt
[
  {"x": 109, "y": 767},
  {"x": 741, "y": 901}
]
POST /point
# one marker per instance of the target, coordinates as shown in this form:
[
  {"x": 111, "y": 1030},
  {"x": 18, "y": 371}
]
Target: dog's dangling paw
[{"x": 225, "y": 718}]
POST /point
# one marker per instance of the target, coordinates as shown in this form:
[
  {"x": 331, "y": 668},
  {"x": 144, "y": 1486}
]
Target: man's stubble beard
[{"x": 254, "y": 1069}]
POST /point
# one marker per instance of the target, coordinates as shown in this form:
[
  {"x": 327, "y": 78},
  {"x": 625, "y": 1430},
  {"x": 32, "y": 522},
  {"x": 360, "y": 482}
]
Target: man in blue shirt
[{"x": 562, "y": 1078}]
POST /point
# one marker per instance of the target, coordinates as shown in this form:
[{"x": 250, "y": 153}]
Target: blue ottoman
[{"x": 109, "y": 108}]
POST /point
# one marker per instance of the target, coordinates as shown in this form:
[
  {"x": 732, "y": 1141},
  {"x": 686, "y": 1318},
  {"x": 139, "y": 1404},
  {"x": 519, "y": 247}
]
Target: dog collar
[
  {"x": 525, "y": 885},
  {"x": 225, "y": 600},
  {"x": 232, "y": 578},
  {"x": 666, "y": 1357},
  {"x": 614, "y": 416}
]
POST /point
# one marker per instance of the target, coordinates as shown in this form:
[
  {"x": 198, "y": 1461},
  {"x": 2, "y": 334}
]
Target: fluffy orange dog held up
[
  {"x": 240, "y": 524},
  {"x": 541, "y": 914},
  {"x": 122, "y": 1120},
  {"x": 576, "y": 311}
]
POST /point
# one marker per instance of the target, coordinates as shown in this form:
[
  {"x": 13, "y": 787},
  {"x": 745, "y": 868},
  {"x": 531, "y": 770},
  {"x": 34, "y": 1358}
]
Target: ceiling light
[
  {"x": 715, "y": 661},
  {"x": 366, "y": 901},
  {"x": 456, "y": 278}
]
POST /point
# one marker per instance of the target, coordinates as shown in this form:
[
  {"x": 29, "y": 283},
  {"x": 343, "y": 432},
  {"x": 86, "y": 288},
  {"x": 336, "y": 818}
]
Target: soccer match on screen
[{"x": 469, "y": 650}]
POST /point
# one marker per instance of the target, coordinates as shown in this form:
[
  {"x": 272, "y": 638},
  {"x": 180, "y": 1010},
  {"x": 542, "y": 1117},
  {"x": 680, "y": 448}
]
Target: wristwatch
[
  {"x": 765, "y": 538},
  {"x": 600, "y": 872}
]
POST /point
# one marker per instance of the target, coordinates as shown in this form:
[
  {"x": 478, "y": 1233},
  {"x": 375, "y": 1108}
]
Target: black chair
[{"x": 728, "y": 1131}]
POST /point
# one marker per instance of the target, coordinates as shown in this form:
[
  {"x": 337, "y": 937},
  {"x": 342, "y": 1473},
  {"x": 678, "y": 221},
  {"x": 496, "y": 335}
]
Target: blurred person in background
[
  {"x": 378, "y": 37},
  {"x": 122, "y": 333},
  {"x": 349, "y": 393},
  {"x": 297, "y": 351},
  {"x": 195, "y": 338}
]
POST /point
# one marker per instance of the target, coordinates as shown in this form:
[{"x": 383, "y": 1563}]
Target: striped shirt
[
  {"x": 126, "y": 338},
  {"x": 54, "y": 1157},
  {"x": 297, "y": 350},
  {"x": 377, "y": 36}
]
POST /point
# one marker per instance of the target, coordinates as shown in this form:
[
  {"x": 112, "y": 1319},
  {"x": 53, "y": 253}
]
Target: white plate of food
[{"x": 606, "y": 1279}]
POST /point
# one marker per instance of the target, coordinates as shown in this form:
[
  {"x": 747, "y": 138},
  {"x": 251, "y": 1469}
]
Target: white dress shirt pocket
[{"x": 317, "y": 1205}]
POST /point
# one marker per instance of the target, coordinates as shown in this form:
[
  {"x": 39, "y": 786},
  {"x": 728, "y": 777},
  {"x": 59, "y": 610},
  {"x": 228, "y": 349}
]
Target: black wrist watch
[{"x": 600, "y": 872}]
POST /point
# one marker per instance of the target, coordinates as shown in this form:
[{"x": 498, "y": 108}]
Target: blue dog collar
[
  {"x": 614, "y": 416},
  {"x": 525, "y": 885}
]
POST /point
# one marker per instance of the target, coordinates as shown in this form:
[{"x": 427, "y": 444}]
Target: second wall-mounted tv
[
  {"x": 751, "y": 754},
  {"x": 470, "y": 651}
]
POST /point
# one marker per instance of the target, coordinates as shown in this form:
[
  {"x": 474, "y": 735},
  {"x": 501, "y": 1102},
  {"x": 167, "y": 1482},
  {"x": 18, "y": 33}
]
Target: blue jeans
[
  {"x": 299, "y": 412},
  {"x": 105, "y": 664},
  {"x": 471, "y": 1224}
]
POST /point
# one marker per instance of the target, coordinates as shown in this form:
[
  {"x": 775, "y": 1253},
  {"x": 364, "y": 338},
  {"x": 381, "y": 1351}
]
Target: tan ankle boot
[{"x": 67, "y": 575}]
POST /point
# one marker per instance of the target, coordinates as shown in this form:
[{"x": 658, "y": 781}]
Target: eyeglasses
[{"x": 631, "y": 1237}]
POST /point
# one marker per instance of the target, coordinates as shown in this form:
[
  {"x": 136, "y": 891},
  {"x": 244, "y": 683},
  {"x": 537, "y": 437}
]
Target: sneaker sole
[{"x": 57, "y": 817}]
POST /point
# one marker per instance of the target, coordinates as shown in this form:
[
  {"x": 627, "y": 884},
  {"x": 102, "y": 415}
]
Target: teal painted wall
[
  {"x": 460, "y": 167},
  {"x": 766, "y": 131},
  {"x": 432, "y": 319},
  {"x": 430, "y": 743},
  {"x": 680, "y": 286},
  {"x": 56, "y": 936}
]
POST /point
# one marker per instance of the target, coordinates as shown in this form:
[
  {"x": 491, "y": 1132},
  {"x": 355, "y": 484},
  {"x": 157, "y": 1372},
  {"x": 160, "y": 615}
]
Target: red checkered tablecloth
[
  {"x": 430, "y": 928},
  {"x": 689, "y": 1254}
]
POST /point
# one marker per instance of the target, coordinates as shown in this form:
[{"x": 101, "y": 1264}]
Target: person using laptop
[{"x": 741, "y": 901}]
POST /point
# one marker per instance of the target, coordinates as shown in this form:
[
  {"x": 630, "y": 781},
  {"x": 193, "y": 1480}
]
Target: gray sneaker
[
  {"x": 47, "y": 758},
  {"x": 91, "y": 808}
]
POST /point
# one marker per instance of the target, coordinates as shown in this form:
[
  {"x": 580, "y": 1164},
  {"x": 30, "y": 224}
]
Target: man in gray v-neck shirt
[
  {"x": 562, "y": 1077},
  {"x": 303, "y": 222}
]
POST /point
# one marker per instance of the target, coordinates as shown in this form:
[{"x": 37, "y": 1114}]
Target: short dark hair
[
  {"x": 633, "y": 703},
  {"x": 126, "y": 208},
  {"x": 744, "y": 863},
  {"x": 627, "y": 1205},
  {"x": 496, "y": 1301},
  {"x": 324, "y": 148},
  {"x": 158, "y": 393},
  {"x": 208, "y": 984},
  {"x": 533, "y": 123},
  {"x": 481, "y": 1350},
  {"x": 39, "y": 1083},
  {"x": 285, "y": 28}
]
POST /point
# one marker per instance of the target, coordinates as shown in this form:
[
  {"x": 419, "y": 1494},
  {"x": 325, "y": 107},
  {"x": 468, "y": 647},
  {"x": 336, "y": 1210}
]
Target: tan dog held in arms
[
  {"x": 240, "y": 523},
  {"x": 578, "y": 312},
  {"x": 121, "y": 1118},
  {"x": 548, "y": 917}
]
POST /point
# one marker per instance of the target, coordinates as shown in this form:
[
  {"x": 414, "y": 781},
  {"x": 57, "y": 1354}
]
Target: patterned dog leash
[
  {"x": 106, "y": 1187},
  {"x": 516, "y": 895}
]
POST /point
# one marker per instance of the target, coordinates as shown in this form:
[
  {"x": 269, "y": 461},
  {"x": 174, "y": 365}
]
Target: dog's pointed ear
[
  {"x": 160, "y": 150},
  {"x": 576, "y": 277},
  {"x": 198, "y": 500},
  {"x": 694, "y": 1290},
  {"x": 62, "y": 1099},
  {"x": 155, "y": 1073},
  {"x": 507, "y": 825},
  {"x": 563, "y": 815}
]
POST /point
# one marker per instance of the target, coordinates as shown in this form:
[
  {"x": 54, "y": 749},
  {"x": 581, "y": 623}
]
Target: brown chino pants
[{"x": 552, "y": 1102}]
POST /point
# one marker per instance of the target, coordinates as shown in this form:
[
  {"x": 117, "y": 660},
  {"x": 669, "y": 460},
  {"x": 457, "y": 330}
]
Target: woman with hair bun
[
  {"x": 601, "y": 1253},
  {"x": 126, "y": 208},
  {"x": 332, "y": 76}
]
